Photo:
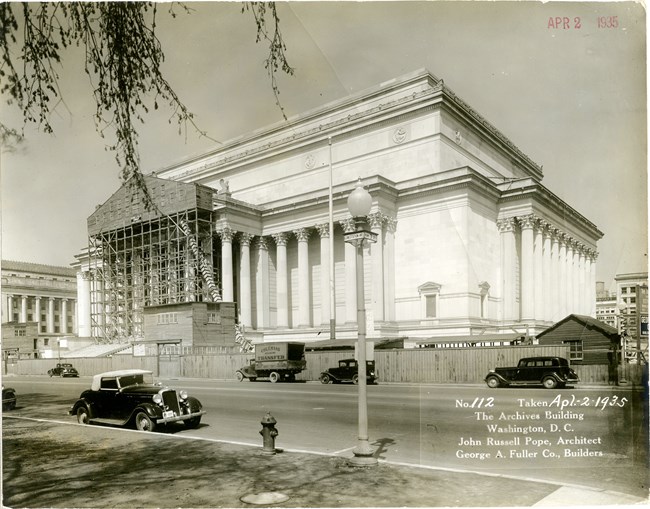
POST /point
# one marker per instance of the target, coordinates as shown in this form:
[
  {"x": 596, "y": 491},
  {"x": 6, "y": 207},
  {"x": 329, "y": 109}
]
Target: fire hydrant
[{"x": 268, "y": 433}]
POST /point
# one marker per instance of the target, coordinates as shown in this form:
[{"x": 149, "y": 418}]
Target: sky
[{"x": 564, "y": 81}]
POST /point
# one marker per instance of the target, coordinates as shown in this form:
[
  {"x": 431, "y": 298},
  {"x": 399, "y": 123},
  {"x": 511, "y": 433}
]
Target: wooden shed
[{"x": 591, "y": 341}]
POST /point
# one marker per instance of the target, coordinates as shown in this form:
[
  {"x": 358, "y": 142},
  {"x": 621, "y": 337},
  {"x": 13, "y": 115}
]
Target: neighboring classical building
[
  {"x": 469, "y": 240},
  {"x": 38, "y": 308}
]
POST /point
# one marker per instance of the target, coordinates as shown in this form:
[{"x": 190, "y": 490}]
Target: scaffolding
[{"x": 148, "y": 258}]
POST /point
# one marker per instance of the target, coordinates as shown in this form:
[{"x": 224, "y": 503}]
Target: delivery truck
[{"x": 276, "y": 361}]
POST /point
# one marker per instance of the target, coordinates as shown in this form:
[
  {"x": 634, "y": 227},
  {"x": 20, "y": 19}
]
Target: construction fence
[{"x": 435, "y": 365}]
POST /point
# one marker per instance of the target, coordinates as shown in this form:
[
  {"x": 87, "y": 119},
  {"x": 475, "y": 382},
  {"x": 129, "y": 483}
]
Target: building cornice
[{"x": 526, "y": 188}]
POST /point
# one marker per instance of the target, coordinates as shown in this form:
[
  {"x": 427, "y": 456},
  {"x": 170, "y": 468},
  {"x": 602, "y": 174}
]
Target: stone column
[
  {"x": 227, "y": 234},
  {"x": 304, "y": 286},
  {"x": 569, "y": 277},
  {"x": 582, "y": 282},
  {"x": 262, "y": 284},
  {"x": 245, "y": 302},
  {"x": 83, "y": 298},
  {"x": 50, "y": 316},
  {"x": 8, "y": 309},
  {"x": 37, "y": 313},
  {"x": 63, "y": 317},
  {"x": 376, "y": 222},
  {"x": 23, "y": 309},
  {"x": 576, "y": 278},
  {"x": 527, "y": 269},
  {"x": 589, "y": 302},
  {"x": 538, "y": 253},
  {"x": 281, "y": 276},
  {"x": 507, "y": 230},
  {"x": 555, "y": 276},
  {"x": 592, "y": 275},
  {"x": 350, "y": 275},
  {"x": 389, "y": 268},
  {"x": 564, "y": 276},
  {"x": 547, "y": 276},
  {"x": 325, "y": 261}
]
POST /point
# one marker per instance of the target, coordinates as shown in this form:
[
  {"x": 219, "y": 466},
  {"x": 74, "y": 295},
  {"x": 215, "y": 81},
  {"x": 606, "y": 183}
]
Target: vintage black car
[
  {"x": 550, "y": 372},
  {"x": 130, "y": 398},
  {"x": 63, "y": 370},
  {"x": 8, "y": 398},
  {"x": 348, "y": 371}
]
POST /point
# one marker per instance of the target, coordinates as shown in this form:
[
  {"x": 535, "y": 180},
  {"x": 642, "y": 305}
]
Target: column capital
[
  {"x": 262, "y": 243},
  {"x": 245, "y": 238},
  {"x": 226, "y": 233},
  {"x": 280, "y": 238},
  {"x": 348, "y": 225},
  {"x": 391, "y": 224},
  {"x": 527, "y": 222},
  {"x": 323, "y": 230},
  {"x": 376, "y": 220},
  {"x": 507, "y": 224},
  {"x": 302, "y": 234}
]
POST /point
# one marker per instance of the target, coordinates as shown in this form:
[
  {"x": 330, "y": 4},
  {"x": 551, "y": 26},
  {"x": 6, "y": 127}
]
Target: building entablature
[{"x": 523, "y": 193}]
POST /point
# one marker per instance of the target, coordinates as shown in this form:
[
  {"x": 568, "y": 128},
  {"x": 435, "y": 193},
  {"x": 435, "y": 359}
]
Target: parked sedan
[
  {"x": 130, "y": 398},
  {"x": 8, "y": 398},
  {"x": 549, "y": 372},
  {"x": 63, "y": 370},
  {"x": 348, "y": 371}
]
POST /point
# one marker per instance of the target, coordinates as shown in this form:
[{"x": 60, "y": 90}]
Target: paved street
[{"x": 591, "y": 437}]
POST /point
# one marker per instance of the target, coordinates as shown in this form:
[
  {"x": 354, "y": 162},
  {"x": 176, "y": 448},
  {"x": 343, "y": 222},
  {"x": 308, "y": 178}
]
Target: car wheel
[
  {"x": 49, "y": 373},
  {"x": 10, "y": 405},
  {"x": 549, "y": 382},
  {"x": 492, "y": 382},
  {"x": 239, "y": 375},
  {"x": 144, "y": 423},
  {"x": 355, "y": 379},
  {"x": 192, "y": 423},
  {"x": 325, "y": 379},
  {"x": 82, "y": 415},
  {"x": 274, "y": 377}
]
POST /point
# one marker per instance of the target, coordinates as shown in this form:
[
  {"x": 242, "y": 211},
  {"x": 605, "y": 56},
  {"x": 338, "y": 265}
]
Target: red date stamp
[
  {"x": 564, "y": 23},
  {"x": 575, "y": 23},
  {"x": 607, "y": 21}
]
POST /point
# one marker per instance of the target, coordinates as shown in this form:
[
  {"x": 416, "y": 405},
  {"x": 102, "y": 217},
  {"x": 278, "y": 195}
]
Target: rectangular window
[
  {"x": 167, "y": 318},
  {"x": 214, "y": 317},
  {"x": 575, "y": 350},
  {"x": 431, "y": 306}
]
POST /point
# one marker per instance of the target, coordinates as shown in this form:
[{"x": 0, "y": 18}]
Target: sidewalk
[{"x": 111, "y": 468}]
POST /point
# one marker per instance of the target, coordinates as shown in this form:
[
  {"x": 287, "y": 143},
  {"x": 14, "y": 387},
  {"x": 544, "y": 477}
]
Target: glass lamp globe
[{"x": 359, "y": 201}]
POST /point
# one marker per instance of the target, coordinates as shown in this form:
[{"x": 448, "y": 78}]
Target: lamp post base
[{"x": 363, "y": 456}]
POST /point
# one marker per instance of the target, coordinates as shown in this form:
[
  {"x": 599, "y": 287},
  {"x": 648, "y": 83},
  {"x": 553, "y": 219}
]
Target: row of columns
[
  {"x": 50, "y": 314},
  {"x": 382, "y": 260},
  {"x": 557, "y": 272}
]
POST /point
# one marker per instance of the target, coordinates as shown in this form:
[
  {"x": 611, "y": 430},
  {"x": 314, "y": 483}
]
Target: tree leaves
[{"x": 123, "y": 57}]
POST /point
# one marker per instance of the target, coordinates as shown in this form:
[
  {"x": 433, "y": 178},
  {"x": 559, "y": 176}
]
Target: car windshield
[{"x": 140, "y": 378}]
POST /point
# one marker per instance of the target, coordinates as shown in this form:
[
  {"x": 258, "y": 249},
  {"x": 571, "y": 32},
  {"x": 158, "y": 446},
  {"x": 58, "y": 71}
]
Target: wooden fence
[{"x": 428, "y": 365}]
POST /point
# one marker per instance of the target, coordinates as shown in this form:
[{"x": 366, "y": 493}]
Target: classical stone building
[
  {"x": 470, "y": 242},
  {"x": 38, "y": 307}
]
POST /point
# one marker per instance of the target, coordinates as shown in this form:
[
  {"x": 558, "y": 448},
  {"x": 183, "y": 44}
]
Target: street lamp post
[{"x": 359, "y": 203}]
